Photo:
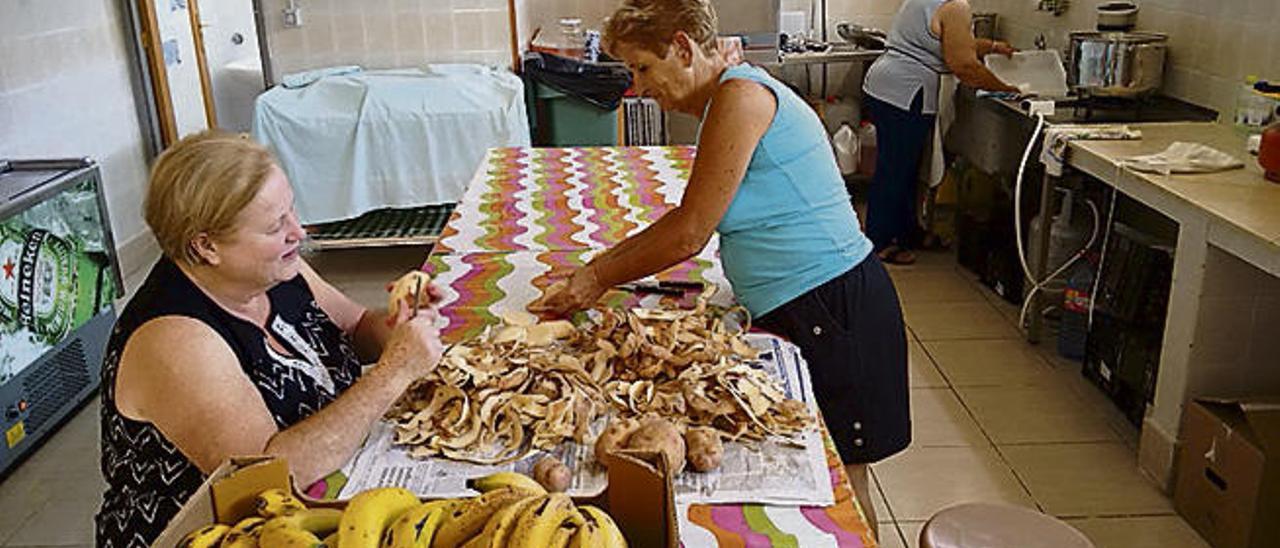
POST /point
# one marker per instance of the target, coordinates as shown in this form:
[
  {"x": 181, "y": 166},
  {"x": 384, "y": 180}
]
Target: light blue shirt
[
  {"x": 912, "y": 60},
  {"x": 791, "y": 226}
]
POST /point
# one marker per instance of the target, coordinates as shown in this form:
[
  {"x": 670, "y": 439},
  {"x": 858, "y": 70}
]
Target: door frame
[{"x": 144, "y": 27}]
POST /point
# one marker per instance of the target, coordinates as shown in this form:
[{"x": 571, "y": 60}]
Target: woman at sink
[{"x": 929, "y": 39}]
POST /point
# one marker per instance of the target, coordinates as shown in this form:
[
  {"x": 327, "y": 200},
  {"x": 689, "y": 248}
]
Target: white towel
[
  {"x": 1053, "y": 153},
  {"x": 937, "y": 167},
  {"x": 1183, "y": 157}
]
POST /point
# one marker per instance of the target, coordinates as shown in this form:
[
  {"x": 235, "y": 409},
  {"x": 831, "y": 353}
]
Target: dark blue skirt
[{"x": 851, "y": 333}]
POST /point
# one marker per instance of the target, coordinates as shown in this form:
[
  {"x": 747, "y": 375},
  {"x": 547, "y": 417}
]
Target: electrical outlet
[{"x": 292, "y": 18}]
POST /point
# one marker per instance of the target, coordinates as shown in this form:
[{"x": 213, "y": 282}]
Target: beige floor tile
[
  {"x": 927, "y": 261},
  {"x": 362, "y": 274},
  {"x": 1001, "y": 362},
  {"x": 923, "y": 480},
  {"x": 944, "y": 321},
  {"x": 1084, "y": 480},
  {"x": 890, "y": 537},
  {"x": 66, "y": 521},
  {"x": 1011, "y": 415},
  {"x": 911, "y": 532},
  {"x": 924, "y": 286},
  {"x": 881, "y": 507},
  {"x": 1140, "y": 532},
  {"x": 923, "y": 372},
  {"x": 1006, "y": 309},
  {"x": 20, "y": 498},
  {"x": 939, "y": 420}
]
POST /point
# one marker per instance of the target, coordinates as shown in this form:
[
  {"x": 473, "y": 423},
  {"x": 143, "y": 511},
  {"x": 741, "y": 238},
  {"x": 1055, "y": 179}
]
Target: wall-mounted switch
[{"x": 292, "y": 17}]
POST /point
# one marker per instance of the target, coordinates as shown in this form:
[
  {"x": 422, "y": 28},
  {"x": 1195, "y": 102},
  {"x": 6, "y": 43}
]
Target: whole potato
[
  {"x": 706, "y": 451},
  {"x": 552, "y": 475},
  {"x": 660, "y": 435},
  {"x": 614, "y": 437}
]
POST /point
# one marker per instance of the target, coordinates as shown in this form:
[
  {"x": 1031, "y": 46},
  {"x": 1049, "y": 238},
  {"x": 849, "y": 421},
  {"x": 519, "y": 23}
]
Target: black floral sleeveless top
[{"x": 148, "y": 478}]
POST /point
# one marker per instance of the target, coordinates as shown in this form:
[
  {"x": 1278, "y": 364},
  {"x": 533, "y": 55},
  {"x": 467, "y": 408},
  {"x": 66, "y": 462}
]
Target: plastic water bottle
[
  {"x": 1076, "y": 301},
  {"x": 845, "y": 142},
  {"x": 867, "y": 148}
]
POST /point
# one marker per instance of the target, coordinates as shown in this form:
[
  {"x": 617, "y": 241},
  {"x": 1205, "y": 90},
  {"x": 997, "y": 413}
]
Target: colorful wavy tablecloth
[{"x": 533, "y": 214}]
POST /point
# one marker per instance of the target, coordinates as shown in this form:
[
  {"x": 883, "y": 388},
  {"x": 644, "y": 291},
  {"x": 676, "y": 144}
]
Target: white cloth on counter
[
  {"x": 354, "y": 142},
  {"x": 1053, "y": 153},
  {"x": 1183, "y": 157}
]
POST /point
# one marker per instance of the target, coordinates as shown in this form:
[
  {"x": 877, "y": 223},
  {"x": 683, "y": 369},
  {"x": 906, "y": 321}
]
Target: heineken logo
[{"x": 27, "y": 277}]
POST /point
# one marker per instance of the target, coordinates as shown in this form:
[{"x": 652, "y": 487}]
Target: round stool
[{"x": 980, "y": 525}]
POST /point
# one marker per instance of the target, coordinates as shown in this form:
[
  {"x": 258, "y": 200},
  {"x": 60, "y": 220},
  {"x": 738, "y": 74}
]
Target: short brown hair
[
  {"x": 199, "y": 186},
  {"x": 651, "y": 24}
]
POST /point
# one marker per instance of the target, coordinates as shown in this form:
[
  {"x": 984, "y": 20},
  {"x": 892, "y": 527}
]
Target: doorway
[
  {"x": 202, "y": 64},
  {"x": 231, "y": 46}
]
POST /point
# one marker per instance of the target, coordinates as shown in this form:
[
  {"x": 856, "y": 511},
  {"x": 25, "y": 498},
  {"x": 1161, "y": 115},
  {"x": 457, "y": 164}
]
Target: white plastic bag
[{"x": 846, "y": 145}]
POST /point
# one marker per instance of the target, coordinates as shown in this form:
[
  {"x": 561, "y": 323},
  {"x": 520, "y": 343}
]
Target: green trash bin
[{"x": 567, "y": 121}]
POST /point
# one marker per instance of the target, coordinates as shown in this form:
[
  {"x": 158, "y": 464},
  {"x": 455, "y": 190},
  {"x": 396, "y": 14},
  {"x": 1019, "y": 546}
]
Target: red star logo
[{"x": 8, "y": 269}]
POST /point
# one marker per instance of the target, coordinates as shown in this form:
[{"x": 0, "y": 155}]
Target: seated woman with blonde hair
[{"x": 235, "y": 346}]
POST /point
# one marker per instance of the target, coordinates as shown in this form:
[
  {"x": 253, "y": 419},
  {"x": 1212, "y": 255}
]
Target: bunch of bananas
[{"x": 512, "y": 510}]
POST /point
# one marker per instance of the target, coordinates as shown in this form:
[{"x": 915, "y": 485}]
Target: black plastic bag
[{"x": 600, "y": 85}]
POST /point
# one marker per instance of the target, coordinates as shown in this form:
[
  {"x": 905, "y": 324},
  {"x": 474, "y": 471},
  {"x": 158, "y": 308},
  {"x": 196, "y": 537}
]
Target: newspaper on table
[{"x": 770, "y": 472}]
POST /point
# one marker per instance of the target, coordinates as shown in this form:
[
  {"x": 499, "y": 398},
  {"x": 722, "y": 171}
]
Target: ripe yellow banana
[
  {"x": 243, "y": 534},
  {"x": 331, "y": 541},
  {"x": 468, "y": 519},
  {"x": 496, "y": 480},
  {"x": 536, "y": 527},
  {"x": 562, "y": 535},
  {"x": 417, "y": 526},
  {"x": 604, "y": 531},
  {"x": 205, "y": 537},
  {"x": 370, "y": 513},
  {"x": 587, "y": 536},
  {"x": 281, "y": 533},
  {"x": 317, "y": 521},
  {"x": 499, "y": 526},
  {"x": 277, "y": 502}
]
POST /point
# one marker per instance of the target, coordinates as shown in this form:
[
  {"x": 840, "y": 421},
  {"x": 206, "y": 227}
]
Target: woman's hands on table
[{"x": 579, "y": 292}]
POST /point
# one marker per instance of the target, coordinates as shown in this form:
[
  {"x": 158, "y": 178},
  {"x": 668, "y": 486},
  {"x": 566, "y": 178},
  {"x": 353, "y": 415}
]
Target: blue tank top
[{"x": 791, "y": 226}]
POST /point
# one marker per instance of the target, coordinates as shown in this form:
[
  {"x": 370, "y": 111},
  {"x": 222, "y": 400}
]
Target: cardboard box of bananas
[{"x": 233, "y": 510}]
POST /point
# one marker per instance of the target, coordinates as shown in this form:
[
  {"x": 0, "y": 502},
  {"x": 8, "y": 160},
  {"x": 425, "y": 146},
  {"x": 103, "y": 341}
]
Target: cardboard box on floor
[
  {"x": 1228, "y": 483},
  {"x": 639, "y": 498}
]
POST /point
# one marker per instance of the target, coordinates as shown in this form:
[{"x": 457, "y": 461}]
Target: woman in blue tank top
[{"x": 766, "y": 181}]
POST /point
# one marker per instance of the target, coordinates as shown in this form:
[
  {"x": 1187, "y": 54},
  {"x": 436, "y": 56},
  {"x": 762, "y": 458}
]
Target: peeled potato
[
  {"x": 660, "y": 435},
  {"x": 704, "y": 449},
  {"x": 552, "y": 474},
  {"x": 614, "y": 437},
  {"x": 405, "y": 288}
]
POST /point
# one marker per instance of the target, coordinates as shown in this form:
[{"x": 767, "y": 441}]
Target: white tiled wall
[
  {"x": 387, "y": 33},
  {"x": 1213, "y": 43},
  {"x": 65, "y": 92}
]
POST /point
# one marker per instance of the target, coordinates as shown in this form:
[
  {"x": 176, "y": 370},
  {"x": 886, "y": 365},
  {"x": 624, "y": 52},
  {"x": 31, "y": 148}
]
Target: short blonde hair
[
  {"x": 651, "y": 25},
  {"x": 199, "y": 185}
]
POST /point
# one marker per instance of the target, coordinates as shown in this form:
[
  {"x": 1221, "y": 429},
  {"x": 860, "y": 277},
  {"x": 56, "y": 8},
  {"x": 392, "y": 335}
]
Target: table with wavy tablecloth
[{"x": 532, "y": 214}]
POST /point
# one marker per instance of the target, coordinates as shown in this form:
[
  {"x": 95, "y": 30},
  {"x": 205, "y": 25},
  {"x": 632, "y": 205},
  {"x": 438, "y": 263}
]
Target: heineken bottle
[{"x": 48, "y": 284}]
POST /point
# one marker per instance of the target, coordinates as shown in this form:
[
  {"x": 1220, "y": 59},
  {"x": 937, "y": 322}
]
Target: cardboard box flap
[
  {"x": 233, "y": 495},
  {"x": 1257, "y": 419},
  {"x": 641, "y": 498}
]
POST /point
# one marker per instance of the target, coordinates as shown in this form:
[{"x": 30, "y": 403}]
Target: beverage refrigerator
[{"x": 59, "y": 277}]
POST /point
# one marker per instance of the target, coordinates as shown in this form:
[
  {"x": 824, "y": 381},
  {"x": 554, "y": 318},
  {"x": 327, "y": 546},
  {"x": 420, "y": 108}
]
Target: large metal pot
[{"x": 1117, "y": 64}]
